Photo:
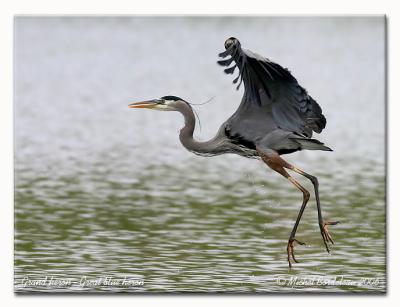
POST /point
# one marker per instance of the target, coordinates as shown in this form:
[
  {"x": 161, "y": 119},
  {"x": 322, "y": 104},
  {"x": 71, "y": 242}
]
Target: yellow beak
[{"x": 148, "y": 104}]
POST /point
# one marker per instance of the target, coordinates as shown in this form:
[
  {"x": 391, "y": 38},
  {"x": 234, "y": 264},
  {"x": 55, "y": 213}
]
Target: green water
[{"x": 202, "y": 235}]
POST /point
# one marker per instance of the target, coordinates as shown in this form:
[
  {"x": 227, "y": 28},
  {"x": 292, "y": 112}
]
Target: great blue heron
[{"x": 276, "y": 117}]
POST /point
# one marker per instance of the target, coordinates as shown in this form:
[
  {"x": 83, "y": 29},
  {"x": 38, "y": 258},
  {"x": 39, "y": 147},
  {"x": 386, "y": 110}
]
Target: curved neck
[{"x": 208, "y": 148}]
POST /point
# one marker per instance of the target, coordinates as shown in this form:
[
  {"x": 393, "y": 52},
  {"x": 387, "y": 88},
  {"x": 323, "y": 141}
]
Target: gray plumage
[
  {"x": 275, "y": 113},
  {"x": 275, "y": 110},
  {"x": 276, "y": 117}
]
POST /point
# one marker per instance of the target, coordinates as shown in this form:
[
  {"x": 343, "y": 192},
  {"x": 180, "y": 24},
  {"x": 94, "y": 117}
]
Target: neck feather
[{"x": 215, "y": 146}]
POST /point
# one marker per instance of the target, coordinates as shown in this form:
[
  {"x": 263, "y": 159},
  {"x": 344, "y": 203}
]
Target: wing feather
[{"x": 272, "y": 89}]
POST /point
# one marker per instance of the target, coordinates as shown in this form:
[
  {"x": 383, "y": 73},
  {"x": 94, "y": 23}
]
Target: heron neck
[{"x": 211, "y": 147}]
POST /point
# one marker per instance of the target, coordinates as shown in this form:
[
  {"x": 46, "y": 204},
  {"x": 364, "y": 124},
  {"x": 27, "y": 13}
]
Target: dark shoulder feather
[{"x": 292, "y": 108}]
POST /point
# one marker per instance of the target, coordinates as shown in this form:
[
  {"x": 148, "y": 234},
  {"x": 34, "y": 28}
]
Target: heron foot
[
  {"x": 290, "y": 251},
  {"x": 326, "y": 236}
]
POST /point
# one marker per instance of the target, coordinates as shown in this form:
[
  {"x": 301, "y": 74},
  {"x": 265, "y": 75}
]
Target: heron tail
[{"x": 311, "y": 144}]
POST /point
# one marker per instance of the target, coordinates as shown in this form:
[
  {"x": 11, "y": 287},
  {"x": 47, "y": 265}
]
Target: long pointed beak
[{"x": 148, "y": 104}]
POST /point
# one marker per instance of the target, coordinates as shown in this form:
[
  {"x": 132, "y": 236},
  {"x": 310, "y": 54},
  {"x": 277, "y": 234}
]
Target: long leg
[
  {"x": 275, "y": 162},
  {"x": 323, "y": 225}
]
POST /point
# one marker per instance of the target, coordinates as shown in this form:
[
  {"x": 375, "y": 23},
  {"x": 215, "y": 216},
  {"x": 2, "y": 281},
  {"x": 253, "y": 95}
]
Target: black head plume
[{"x": 175, "y": 98}]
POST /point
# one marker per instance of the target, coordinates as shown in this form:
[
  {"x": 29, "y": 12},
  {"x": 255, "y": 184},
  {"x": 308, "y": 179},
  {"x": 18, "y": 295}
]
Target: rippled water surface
[{"x": 107, "y": 199}]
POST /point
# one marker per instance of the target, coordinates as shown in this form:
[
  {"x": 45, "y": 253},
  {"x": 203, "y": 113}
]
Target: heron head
[{"x": 165, "y": 103}]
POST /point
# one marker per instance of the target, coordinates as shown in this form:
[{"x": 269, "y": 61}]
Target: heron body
[{"x": 275, "y": 117}]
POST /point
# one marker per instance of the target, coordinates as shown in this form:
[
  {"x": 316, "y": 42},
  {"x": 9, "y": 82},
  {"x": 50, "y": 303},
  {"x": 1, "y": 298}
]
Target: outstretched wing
[{"x": 272, "y": 97}]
